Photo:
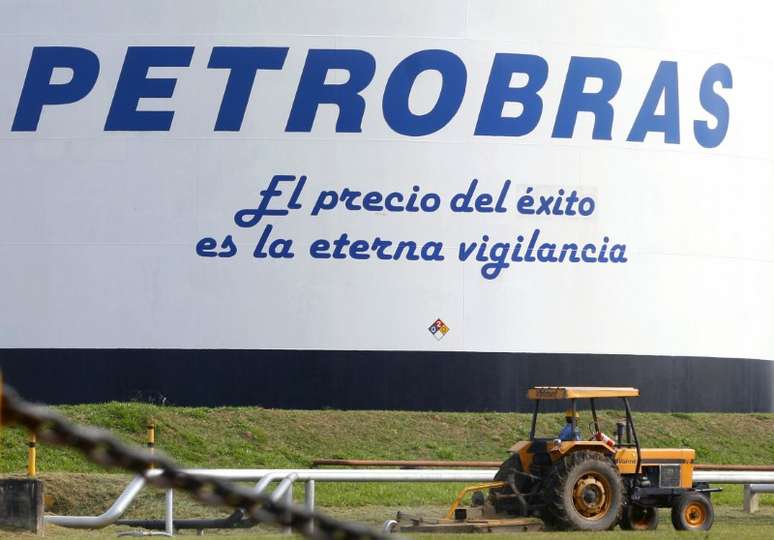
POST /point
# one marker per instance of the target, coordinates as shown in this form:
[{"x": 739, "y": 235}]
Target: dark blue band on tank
[{"x": 443, "y": 381}]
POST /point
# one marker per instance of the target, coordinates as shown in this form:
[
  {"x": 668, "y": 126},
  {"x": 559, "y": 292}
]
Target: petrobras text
[{"x": 511, "y": 105}]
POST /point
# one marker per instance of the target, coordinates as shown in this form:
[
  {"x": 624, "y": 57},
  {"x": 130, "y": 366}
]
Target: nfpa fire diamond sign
[{"x": 438, "y": 329}]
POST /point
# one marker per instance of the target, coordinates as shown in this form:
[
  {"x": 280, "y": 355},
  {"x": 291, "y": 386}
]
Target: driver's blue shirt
[{"x": 567, "y": 434}]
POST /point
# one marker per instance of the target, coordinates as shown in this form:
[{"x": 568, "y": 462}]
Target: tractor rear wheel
[
  {"x": 693, "y": 512},
  {"x": 583, "y": 492},
  {"x": 639, "y": 518}
]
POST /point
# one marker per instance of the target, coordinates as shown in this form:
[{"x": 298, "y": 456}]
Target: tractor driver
[{"x": 570, "y": 432}]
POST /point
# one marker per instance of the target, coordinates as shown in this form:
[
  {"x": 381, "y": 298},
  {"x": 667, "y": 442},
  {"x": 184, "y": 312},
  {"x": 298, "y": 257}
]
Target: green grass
[
  {"x": 256, "y": 438},
  {"x": 730, "y": 524}
]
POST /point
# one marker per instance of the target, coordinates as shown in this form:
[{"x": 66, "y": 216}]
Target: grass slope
[{"x": 255, "y": 437}]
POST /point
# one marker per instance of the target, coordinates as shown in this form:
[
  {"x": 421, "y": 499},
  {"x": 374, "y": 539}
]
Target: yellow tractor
[{"x": 592, "y": 481}]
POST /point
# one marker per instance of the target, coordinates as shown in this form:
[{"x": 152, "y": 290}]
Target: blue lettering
[
  {"x": 395, "y": 104},
  {"x": 249, "y": 217},
  {"x": 587, "y": 255},
  {"x": 134, "y": 84},
  {"x": 312, "y": 90},
  {"x": 575, "y": 100},
  {"x": 205, "y": 247},
  {"x": 391, "y": 202},
  {"x": 358, "y": 250},
  {"x": 243, "y": 62},
  {"x": 498, "y": 92},
  {"x": 371, "y": 201},
  {"x": 664, "y": 82},
  {"x": 431, "y": 251},
  {"x": 319, "y": 249},
  {"x": 715, "y": 105},
  {"x": 38, "y": 90},
  {"x": 355, "y": 70},
  {"x": 326, "y": 200}
]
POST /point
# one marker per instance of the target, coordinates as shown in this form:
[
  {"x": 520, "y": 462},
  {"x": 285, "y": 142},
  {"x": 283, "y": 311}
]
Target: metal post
[
  {"x": 594, "y": 415},
  {"x": 573, "y": 420},
  {"x": 534, "y": 420},
  {"x": 630, "y": 422},
  {"x": 151, "y": 436},
  {"x": 749, "y": 503},
  {"x": 32, "y": 456},
  {"x": 169, "y": 524},
  {"x": 309, "y": 502},
  {"x": 288, "y": 501}
]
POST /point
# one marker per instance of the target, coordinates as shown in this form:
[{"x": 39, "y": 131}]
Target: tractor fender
[{"x": 568, "y": 447}]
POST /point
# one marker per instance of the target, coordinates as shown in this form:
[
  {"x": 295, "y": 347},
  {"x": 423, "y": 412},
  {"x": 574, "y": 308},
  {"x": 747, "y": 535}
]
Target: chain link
[{"x": 103, "y": 448}]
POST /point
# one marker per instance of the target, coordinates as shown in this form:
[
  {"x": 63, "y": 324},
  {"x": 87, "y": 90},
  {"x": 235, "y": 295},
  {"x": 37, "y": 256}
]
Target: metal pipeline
[
  {"x": 236, "y": 520},
  {"x": 110, "y": 516},
  {"x": 437, "y": 475},
  {"x": 733, "y": 477},
  {"x": 347, "y": 475},
  {"x": 264, "y": 482},
  {"x": 284, "y": 486},
  {"x": 265, "y": 476},
  {"x": 284, "y": 492}
]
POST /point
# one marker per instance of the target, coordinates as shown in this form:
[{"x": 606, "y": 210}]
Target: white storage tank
[{"x": 371, "y": 204}]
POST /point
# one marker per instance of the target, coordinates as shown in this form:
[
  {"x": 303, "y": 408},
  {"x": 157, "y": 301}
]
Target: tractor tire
[
  {"x": 639, "y": 518},
  {"x": 502, "y": 498},
  {"x": 583, "y": 492},
  {"x": 703, "y": 485},
  {"x": 693, "y": 512}
]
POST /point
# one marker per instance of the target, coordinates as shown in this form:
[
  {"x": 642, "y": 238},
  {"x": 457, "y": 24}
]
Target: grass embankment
[{"x": 258, "y": 438}]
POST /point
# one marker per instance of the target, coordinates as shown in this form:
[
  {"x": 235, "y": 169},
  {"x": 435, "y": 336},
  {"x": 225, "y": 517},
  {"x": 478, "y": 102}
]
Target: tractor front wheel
[
  {"x": 583, "y": 492},
  {"x": 693, "y": 512},
  {"x": 639, "y": 518},
  {"x": 504, "y": 499}
]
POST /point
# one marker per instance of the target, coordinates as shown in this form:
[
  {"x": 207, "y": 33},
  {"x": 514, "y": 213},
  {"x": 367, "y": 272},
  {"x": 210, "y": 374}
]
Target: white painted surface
[{"x": 99, "y": 228}]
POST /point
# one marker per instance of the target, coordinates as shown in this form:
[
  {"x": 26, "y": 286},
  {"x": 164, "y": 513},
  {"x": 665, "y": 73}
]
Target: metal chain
[{"x": 103, "y": 448}]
